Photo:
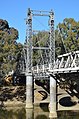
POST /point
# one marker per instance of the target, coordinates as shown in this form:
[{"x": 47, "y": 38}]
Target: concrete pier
[
  {"x": 29, "y": 90},
  {"x": 52, "y": 105}
]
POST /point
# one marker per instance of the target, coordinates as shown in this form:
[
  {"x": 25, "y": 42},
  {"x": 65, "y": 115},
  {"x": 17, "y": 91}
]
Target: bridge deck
[{"x": 65, "y": 70}]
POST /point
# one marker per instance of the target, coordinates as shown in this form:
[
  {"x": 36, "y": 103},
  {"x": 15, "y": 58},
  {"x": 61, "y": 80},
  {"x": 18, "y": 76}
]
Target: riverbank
[{"x": 12, "y": 96}]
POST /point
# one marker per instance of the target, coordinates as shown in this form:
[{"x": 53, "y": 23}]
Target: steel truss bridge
[
  {"x": 38, "y": 53},
  {"x": 38, "y": 56}
]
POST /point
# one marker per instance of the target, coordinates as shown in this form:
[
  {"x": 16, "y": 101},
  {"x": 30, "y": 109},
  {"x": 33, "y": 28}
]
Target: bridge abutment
[
  {"x": 29, "y": 92},
  {"x": 52, "y": 105}
]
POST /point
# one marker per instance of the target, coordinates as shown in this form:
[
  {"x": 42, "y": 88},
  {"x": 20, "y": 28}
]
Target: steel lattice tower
[
  {"x": 29, "y": 41},
  {"x": 52, "y": 40},
  {"x": 29, "y": 32}
]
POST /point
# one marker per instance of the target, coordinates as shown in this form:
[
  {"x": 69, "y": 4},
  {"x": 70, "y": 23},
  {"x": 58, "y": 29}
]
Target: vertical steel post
[
  {"x": 29, "y": 41},
  {"x": 52, "y": 105},
  {"x": 29, "y": 77},
  {"x": 52, "y": 40}
]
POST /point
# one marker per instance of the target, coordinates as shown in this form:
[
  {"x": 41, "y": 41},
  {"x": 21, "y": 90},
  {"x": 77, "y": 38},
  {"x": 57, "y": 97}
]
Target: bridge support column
[
  {"x": 52, "y": 105},
  {"x": 29, "y": 90}
]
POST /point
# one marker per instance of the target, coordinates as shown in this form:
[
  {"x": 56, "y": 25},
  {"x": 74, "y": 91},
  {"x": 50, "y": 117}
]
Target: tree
[
  {"x": 40, "y": 39},
  {"x": 69, "y": 30},
  {"x": 9, "y": 48}
]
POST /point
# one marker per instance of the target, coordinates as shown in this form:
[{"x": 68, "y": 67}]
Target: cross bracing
[
  {"x": 39, "y": 53},
  {"x": 39, "y": 48},
  {"x": 68, "y": 62},
  {"x": 38, "y": 61}
]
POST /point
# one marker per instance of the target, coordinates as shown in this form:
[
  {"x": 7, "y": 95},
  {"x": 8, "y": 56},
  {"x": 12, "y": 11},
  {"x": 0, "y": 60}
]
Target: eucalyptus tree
[
  {"x": 9, "y": 48},
  {"x": 68, "y": 36}
]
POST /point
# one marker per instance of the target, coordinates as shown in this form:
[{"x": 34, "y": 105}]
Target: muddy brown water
[{"x": 39, "y": 112}]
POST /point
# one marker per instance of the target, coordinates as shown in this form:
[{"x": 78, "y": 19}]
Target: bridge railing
[
  {"x": 67, "y": 62},
  {"x": 40, "y": 68}
]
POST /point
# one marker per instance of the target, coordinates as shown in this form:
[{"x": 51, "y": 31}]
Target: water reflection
[
  {"x": 68, "y": 115},
  {"x": 36, "y": 113},
  {"x": 41, "y": 112},
  {"x": 12, "y": 113},
  {"x": 29, "y": 114},
  {"x": 41, "y": 117}
]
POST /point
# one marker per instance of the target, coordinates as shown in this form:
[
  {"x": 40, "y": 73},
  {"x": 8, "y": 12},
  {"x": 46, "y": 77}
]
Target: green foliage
[
  {"x": 9, "y": 48},
  {"x": 66, "y": 38},
  {"x": 70, "y": 33},
  {"x": 40, "y": 39}
]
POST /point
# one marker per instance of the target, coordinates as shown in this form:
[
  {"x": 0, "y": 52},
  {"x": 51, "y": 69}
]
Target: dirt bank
[{"x": 12, "y": 96}]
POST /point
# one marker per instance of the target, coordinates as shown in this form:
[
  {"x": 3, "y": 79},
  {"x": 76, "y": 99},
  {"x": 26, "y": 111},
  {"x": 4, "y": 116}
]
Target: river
[{"x": 39, "y": 112}]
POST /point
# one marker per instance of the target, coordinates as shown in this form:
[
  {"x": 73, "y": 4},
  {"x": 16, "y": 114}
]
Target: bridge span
[{"x": 62, "y": 71}]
